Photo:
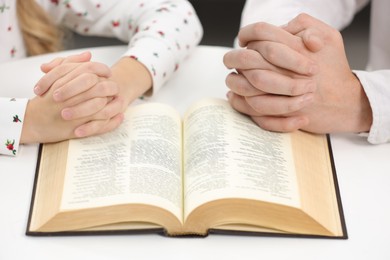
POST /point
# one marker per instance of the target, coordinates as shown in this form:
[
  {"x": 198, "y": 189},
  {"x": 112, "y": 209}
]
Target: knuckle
[
  {"x": 99, "y": 102},
  {"x": 96, "y": 66},
  {"x": 108, "y": 88},
  {"x": 89, "y": 78},
  {"x": 293, "y": 88},
  {"x": 302, "y": 64},
  {"x": 303, "y": 18},
  {"x": 243, "y": 56},
  {"x": 237, "y": 84},
  {"x": 271, "y": 52},
  {"x": 258, "y": 79},
  {"x": 57, "y": 84},
  {"x": 258, "y": 29},
  {"x": 297, "y": 44},
  {"x": 103, "y": 88},
  {"x": 256, "y": 104},
  {"x": 293, "y": 106},
  {"x": 64, "y": 68},
  {"x": 91, "y": 67},
  {"x": 88, "y": 66},
  {"x": 243, "y": 89}
]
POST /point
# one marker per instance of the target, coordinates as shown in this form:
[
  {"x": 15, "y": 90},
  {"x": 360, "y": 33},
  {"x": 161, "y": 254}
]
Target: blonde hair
[{"x": 40, "y": 34}]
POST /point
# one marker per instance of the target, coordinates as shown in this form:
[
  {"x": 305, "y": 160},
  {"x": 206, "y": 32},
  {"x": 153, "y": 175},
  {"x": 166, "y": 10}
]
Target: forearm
[
  {"x": 160, "y": 33},
  {"x": 165, "y": 35}
]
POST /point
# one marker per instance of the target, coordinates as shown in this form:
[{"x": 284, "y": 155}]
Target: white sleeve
[
  {"x": 338, "y": 13},
  {"x": 377, "y": 87},
  {"x": 11, "y": 123},
  {"x": 160, "y": 33}
]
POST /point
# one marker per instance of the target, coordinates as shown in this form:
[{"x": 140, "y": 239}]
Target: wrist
[
  {"x": 362, "y": 108},
  {"x": 132, "y": 77},
  {"x": 29, "y": 133}
]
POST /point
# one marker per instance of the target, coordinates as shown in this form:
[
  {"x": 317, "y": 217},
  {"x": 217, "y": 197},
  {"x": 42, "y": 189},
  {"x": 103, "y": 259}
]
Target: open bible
[{"x": 214, "y": 170}]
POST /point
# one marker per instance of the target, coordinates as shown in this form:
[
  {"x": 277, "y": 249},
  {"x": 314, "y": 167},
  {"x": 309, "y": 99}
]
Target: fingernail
[
  {"x": 229, "y": 95},
  {"x": 122, "y": 117},
  {"x": 307, "y": 97},
  {"x": 37, "y": 90},
  {"x": 300, "y": 122},
  {"x": 79, "y": 132},
  {"x": 57, "y": 96},
  {"x": 66, "y": 114}
]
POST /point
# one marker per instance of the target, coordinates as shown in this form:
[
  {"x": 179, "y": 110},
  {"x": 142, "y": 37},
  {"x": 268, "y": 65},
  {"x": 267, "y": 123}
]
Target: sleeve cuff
[
  {"x": 11, "y": 121},
  {"x": 376, "y": 88},
  {"x": 157, "y": 58}
]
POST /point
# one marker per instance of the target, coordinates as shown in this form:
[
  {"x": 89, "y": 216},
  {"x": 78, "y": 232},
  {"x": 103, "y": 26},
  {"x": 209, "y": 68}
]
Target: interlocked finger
[
  {"x": 270, "y": 82},
  {"x": 284, "y": 57},
  {"x": 104, "y": 88},
  {"x": 84, "y": 109},
  {"x": 277, "y": 105},
  {"x": 96, "y": 127},
  {"x": 240, "y": 85},
  {"x": 281, "y": 124},
  {"x": 113, "y": 108}
]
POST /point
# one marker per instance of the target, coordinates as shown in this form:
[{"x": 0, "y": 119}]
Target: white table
[{"x": 363, "y": 172}]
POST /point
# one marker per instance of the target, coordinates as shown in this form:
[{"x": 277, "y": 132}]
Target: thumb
[
  {"x": 312, "y": 40},
  {"x": 309, "y": 29}
]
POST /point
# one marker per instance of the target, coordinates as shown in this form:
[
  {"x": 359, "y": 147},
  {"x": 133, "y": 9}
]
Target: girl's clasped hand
[{"x": 75, "y": 98}]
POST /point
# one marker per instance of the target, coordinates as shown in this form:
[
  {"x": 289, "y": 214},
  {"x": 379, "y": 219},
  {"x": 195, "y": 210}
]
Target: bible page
[
  {"x": 226, "y": 155},
  {"x": 140, "y": 162}
]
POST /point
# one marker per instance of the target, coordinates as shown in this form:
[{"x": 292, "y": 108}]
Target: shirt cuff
[
  {"x": 375, "y": 84},
  {"x": 156, "y": 57},
  {"x": 11, "y": 121}
]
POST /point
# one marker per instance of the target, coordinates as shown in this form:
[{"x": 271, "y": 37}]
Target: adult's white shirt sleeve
[
  {"x": 278, "y": 12},
  {"x": 376, "y": 84}
]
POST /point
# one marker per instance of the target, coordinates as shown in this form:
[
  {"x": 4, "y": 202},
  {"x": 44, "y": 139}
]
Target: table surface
[{"x": 363, "y": 172}]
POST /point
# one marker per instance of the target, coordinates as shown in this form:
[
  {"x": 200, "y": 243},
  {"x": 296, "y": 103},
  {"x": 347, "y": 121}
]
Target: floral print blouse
[{"x": 160, "y": 34}]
